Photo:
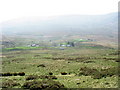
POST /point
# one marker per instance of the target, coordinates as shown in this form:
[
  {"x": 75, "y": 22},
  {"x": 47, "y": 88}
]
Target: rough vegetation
[
  {"x": 73, "y": 67},
  {"x": 12, "y": 74},
  {"x": 96, "y": 74},
  {"x": 45, "y": 84},
  {"x": 9, "y": 84}
]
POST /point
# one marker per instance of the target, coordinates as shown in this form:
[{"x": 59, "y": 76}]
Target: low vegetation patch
[
  {"x": 41, "y": 65},
  {"x": 37, "y": 55},
  {"x": 9, "y": 84},
  {"x": 6, "y": 74},
  {"x": 89, "y": 62},
  {"x": 63, "y": 73},
  {"x": 12, "y": 74},
  {"x": 110, "y": 58},
  {"x": 47, "y": 77},
  {"x": 45, "y": 84},
  {"x": 10, "y": 56},
  {"x": 50, "y": 73},
  {"x": 18, "y": 59},
  {"x": 96, "y": 74},
  {"x": 32, "y": 77}
]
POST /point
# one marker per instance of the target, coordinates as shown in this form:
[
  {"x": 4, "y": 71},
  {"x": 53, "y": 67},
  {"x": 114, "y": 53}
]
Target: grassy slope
[{"x": 28, "y": 61}]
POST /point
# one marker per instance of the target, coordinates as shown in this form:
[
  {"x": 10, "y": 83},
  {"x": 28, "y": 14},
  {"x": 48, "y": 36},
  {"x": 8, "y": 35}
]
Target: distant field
[
  {"x": 73, "y": 67},
  {"x": 20, "y": 48}
]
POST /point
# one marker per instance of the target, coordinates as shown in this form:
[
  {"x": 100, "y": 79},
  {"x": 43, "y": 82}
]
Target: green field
[{"x": 73, "y": 67}]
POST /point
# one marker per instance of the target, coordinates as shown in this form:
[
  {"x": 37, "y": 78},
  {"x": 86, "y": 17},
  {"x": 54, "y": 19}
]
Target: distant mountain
[{"x": 81, "y": 24}]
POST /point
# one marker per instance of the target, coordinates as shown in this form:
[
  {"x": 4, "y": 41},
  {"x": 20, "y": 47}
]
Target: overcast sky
[{"x": 11, "y": 9}]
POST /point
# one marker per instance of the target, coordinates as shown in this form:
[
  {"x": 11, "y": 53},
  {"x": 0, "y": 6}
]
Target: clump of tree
[
  {"x": 68, "y": 44},
  {"x": 71, "y": 44}
]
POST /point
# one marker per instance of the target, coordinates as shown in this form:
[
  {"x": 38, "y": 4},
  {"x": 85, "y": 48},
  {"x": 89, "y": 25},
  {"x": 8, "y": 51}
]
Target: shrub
[
  {"x": 88, "y": 62},
  {"x": 32, "y": 77},
  {"x": 6, "y": 74},
  {"x": 53, "y": 77},
  {"x": 58, "y": 58},
  {"x": 21, "y": 73},
  {"x": 0, "y": 74},
  {"x": 48, "y": 77},
  {"x": 87, "y": 71},
  {"x": 98, "y": 74},
  {"x": 9, "y": 84},
  {"x": 63, "y": 73},
  {"x": 18, "y": 59},
  {"x": 117, "y": 60},
  {"x": 50, "y": 73},
  {"x": 12, "y": 74},
  {"x": 36, "y": 55},
  {"x": 45, "y": 84},
  {"x": 41, "y": 65},
  {"x": 110, "y": 71}
]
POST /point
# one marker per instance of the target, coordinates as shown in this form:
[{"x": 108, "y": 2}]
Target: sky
[{"x": 12, "y": 9}]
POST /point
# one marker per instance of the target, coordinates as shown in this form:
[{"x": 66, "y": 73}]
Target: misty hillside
[{"x": 80, "y": 24}]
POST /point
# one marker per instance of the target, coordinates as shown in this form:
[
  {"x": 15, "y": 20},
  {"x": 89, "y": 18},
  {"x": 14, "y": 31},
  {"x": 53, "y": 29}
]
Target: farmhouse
[
  {"x": 34, "y": 45},
  {"x": 68, "y": 44}
]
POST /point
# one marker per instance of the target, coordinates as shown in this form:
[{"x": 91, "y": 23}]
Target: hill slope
[{"x": 101, "y": 24}]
